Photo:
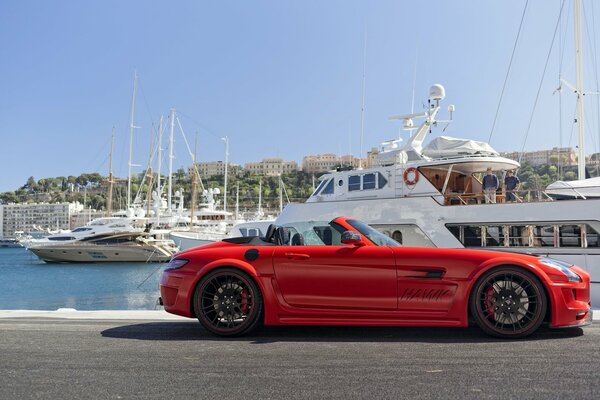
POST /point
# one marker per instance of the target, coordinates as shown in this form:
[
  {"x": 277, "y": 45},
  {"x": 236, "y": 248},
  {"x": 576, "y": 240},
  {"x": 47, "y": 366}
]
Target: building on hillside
[
  {"x": 567, "y": 155},
  {"x": 271, "y": 166},
  {"x": 314, "y": 164},
  {"x": 35, "y": 216},
  {"x": 208, "y": 169}
]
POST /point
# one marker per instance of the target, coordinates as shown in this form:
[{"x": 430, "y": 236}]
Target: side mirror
[{"x": 350, "y": 237}]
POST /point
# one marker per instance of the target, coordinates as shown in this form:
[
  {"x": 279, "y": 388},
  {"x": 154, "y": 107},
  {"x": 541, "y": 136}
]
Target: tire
[
  {"x": 508, "y": 302},
  {"x": 228, "y": 302}
]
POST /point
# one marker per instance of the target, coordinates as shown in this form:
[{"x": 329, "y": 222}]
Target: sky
[{"x": 279, "y": 78}]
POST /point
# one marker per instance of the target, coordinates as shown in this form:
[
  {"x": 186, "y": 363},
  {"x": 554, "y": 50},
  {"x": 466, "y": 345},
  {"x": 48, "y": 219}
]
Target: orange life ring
[{"x": 411, "y": 176}]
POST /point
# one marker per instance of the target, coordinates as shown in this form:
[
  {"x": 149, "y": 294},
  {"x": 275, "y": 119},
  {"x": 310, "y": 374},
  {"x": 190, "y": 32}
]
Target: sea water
[{"x": 27, "y": 283}]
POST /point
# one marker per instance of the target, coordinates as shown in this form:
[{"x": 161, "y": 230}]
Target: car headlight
[
  {"x": 176, "y": 263},
  {"x": 562, "y": 267}
]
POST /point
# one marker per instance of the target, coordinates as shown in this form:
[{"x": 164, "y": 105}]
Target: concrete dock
[{"x": 151, "y": 354}]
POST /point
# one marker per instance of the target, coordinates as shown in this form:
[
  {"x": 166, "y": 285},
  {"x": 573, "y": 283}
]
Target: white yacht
[
  {"x": 109, "y": 239},
  {"x": 95, "y": 227},
  {"x": 108, "y": 247},
  {"x": 433, "y": 196}
]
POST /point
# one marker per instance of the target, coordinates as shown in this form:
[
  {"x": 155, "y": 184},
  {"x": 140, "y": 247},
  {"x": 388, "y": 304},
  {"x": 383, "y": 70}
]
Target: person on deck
[
  {"x": 490, "y": 186},
  {"x": 512, "y": 184}
]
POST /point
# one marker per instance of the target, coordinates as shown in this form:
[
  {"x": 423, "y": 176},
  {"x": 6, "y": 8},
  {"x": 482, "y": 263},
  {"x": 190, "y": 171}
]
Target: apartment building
[
  {"x": 31, "y": 217},
  {"x": 319, "y": 163},
  {"x": 271, "y": 166},
  {"x": 567, "y": 155}
]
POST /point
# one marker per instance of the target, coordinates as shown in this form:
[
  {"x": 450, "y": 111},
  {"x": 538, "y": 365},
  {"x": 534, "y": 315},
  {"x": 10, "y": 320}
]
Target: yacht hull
[{"x": 95, "y": 254}]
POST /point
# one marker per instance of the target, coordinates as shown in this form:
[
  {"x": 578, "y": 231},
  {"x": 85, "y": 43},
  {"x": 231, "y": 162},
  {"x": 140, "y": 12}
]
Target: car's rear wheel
[
  {"x": 227, "y": 302},
  {"x": 508, "y": 302}
]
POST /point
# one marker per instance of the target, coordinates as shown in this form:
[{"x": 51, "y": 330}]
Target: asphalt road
[{"x": 104, "y": 359}]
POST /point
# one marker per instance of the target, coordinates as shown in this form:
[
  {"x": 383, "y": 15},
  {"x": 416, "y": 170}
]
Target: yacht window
[
  {"x": 381, "y": 180},
  {"x": 472, "y": 236},
  {"x": 518, "y": 236},
  {"x": 494, "y": 236},
  {"x": 549, "y": 235},
  {"x": 81, "y": 229},
  {"x": 353, "y": 183},
  {"x": 328, "y": 189},
  {"x": 61, "y": 238},
  {"x": 569, "y": 236},
  {"x": 592, "y": 237},
  {"x": 543, "y": 236},
  {"x": 368, "y": 181},
  {"x": 318, "y": 189}
]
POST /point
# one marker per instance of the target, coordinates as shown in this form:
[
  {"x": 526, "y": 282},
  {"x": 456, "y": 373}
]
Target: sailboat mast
[
  {"x": 131, "y": 127},
  {"x": 160, "y": 132},
  {"x": 110, "y": 176},
  {"x": 579, "y": 88},
  {"x": 170, "y": 187},
  {"x": 362, "y": 107},
  {"x": 193, "y": 202},
  {"x": 226, "y": 139},
  {"x": 150, "y": 176},
  {"x": 237, "y": 200},
  {"x": 280, "y": 196},
  {"x": 260, "y": 197}
]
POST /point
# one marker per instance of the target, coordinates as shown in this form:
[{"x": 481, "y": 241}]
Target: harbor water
[{"x": 27, "y": 283}]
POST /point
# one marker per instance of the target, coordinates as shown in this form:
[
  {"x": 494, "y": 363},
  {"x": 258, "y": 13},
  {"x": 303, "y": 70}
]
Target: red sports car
[{"x": 344, "y": 272}]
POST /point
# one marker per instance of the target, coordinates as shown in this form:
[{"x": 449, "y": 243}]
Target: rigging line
[
  {"x": 147, "y": 104},
  {"x": 189, "y": 150},
  {"x": 537, "y": 96},
  {"x": 199, "y": 124},
  {"x": 572, "y": 126},
  {"x": 560, "y": 50},
  {"x": 508, "y": 70},
  {"x": 564, "y": 40}
]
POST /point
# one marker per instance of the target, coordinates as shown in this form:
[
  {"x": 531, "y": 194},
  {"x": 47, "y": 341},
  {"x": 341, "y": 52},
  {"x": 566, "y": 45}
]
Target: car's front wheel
[
  {"x": 227, "y": 302},
  {"x": 508, "y": 302}
]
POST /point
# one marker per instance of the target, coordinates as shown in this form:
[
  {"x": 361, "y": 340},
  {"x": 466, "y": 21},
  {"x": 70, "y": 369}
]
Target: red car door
[
  {"x": 424, "y": 280},
  {"x": 348, "y": 277}
]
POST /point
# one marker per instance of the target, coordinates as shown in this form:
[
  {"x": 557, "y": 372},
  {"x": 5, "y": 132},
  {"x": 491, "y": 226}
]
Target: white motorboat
[
  {"x": 108, "y": 247},
  {"x": 439, "y": 202},
  {"x": 95, "y": 227}
]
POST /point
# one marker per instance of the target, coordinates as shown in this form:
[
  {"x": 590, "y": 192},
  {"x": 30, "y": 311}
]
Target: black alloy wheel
[
  {"x": 508, "y": 302},
  {"x": 227, "y": 302}
]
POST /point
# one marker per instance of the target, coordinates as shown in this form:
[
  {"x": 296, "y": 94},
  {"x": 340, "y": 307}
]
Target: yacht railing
[{"x": 520, "y": 196}]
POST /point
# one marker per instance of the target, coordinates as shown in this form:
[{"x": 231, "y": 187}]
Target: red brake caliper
[
  {"x": 244, "y": 301},
  {"x": 489, "y": 301}
]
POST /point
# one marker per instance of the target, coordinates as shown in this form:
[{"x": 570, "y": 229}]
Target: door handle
[{"x": 297, "y": 256}]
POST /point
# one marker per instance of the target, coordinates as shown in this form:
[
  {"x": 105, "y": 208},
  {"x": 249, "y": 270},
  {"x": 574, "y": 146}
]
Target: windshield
[{"x": 373, "y": 234}]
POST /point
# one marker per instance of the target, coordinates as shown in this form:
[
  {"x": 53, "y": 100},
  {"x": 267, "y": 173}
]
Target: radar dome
[{"x": 437, "y": 92}]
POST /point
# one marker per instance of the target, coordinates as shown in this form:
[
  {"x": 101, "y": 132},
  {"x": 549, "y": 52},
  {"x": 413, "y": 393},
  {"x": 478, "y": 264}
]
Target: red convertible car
[{"x": 345, "y": 272}]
